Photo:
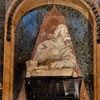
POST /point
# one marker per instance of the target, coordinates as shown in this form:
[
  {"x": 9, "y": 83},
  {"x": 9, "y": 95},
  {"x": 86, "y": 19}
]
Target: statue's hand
[{"x": 57, "y": 65}]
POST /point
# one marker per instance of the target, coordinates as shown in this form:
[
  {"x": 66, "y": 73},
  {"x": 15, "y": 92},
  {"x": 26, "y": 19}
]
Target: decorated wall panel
[{"x": 81, "y": 34}]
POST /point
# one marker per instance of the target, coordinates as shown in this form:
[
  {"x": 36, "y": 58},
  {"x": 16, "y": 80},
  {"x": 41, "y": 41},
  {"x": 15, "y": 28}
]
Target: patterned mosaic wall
[
  {"x": 97, "y": 2},
  {"x": 81, "y": 34}
]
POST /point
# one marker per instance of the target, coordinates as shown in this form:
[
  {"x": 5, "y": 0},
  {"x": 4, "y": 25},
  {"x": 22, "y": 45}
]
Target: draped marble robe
[{"x": 56, "y": 52}]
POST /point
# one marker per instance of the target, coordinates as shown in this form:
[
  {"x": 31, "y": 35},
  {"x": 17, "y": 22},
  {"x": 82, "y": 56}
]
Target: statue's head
[{"x": 61, "y": 32}]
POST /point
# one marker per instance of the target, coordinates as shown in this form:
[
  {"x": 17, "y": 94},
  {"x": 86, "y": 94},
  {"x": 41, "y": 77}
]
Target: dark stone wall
[
  {"x": 98, "y": 2},
  {"x": 2, "y": 17}
]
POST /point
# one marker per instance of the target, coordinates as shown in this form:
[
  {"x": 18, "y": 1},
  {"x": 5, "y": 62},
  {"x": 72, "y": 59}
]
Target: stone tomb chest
[{"x": 53, "y": 88}]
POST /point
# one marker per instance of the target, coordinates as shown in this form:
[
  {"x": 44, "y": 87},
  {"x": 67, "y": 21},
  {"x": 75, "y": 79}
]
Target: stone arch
[{"x": 18, "y": 9}]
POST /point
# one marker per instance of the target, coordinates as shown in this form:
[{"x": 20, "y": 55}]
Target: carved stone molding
[
  {"x": 14, "y": 7},
  {"x": 97, "y": 15}
]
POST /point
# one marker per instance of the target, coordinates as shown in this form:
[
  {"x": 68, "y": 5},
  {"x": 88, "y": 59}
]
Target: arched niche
[{"x": 17, "y": 10}]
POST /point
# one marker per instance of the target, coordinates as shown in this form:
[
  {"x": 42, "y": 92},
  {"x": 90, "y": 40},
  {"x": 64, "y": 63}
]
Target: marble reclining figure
[{"x": 54, "y": 53}]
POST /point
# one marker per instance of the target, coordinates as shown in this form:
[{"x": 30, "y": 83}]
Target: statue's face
[{"x": 61, "y": 31}]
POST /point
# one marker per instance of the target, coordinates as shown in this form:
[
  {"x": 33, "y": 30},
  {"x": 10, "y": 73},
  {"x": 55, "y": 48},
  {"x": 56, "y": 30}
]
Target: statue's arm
[
  {"x": 62, "y": 64},
  {"x": 67, "y": 60}
]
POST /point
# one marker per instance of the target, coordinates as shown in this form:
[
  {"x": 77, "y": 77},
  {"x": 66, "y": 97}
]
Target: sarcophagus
[{"x": 53, "y": 88}]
